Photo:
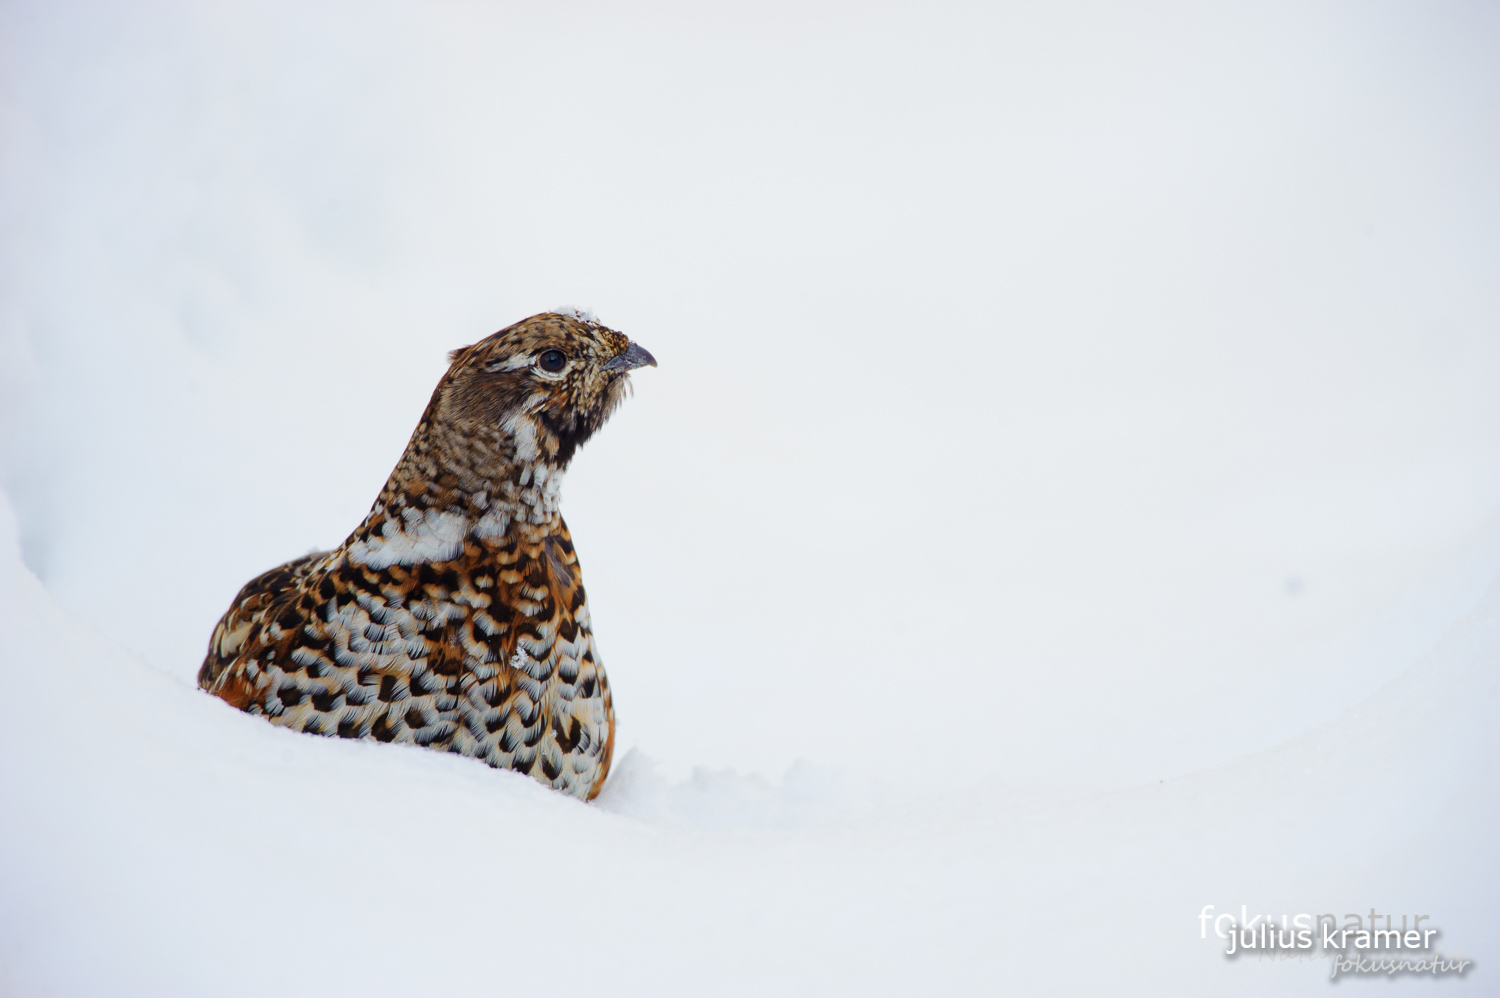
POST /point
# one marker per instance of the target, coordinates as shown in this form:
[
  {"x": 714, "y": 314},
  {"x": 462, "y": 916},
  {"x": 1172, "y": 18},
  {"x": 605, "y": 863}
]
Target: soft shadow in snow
[{"x": 723, "y": 798}]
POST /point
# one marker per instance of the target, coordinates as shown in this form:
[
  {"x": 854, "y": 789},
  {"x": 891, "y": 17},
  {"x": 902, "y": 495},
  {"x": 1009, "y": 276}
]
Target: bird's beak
[{"x": 634, "y": 356}]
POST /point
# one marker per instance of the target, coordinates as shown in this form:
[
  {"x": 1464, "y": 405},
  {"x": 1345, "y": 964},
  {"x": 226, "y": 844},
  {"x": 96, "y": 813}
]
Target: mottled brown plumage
[{"x": 454, "y": 616}]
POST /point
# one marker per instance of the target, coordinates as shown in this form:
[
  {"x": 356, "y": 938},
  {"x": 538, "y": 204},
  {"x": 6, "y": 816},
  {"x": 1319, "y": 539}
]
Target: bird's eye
[{"x": 552, "y": 361}]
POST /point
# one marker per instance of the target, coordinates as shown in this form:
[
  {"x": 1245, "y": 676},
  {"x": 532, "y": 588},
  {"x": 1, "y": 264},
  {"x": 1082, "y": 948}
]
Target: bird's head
[{"x": 548, "y": 383}]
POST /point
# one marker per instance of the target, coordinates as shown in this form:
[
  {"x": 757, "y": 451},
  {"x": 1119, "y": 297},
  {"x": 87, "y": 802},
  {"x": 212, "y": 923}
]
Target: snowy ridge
[{"x": 187, "y": 782}]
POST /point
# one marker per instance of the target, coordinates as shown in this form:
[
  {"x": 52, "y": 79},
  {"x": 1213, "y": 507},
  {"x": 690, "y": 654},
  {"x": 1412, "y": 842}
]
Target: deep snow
[{"x": 1069, "y": 496}]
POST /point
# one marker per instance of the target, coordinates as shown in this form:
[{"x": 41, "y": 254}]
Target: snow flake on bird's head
[{"x": 581, "y": 314}]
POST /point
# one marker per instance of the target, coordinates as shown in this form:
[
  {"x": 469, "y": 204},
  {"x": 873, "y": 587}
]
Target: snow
[
  {"x": 581, "y": 314},
  {"x": 1069, "y": 497}
]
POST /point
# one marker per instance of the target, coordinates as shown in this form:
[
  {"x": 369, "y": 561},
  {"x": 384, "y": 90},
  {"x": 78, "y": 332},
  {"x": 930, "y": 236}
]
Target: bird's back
[{"x": 487, "y": 654}]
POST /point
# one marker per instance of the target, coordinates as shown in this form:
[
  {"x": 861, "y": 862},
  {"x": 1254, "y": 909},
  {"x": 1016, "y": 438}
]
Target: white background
[{"x": 1068, "y": 495}]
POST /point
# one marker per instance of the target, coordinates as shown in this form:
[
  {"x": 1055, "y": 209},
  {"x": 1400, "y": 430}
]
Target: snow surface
[{"x": 1070, "y": 496}]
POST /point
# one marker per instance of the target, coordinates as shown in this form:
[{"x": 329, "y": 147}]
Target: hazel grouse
[{"x": 454, "y": 616}]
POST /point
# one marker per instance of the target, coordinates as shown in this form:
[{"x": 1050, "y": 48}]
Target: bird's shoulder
[{"x": 264, "y": 599}]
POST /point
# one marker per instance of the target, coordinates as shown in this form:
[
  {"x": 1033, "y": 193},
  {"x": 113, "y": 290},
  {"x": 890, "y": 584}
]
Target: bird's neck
[{"x": 450, "y": 488}]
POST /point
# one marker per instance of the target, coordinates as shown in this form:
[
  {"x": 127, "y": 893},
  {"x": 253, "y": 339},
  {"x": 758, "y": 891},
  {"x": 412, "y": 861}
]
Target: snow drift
[{"x": 1069, "y": 496}]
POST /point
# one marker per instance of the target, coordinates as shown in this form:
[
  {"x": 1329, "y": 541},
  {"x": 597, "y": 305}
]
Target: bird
[{"x": 454, "y": 616}]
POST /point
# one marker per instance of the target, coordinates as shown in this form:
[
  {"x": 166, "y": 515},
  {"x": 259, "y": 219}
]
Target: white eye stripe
[
  {"x": 512, "y": 363},
  {"x": 521, "y": 361}
]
